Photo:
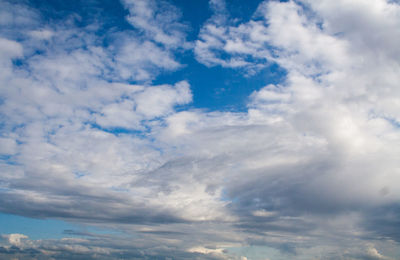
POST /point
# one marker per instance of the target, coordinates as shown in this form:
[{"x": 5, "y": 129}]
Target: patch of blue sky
[
  {"x": 79, "y": 174},
  {"x": 18, "y": 62},
  {"x": 217, "y": 88},
  {"x": 197, "y": 12},
  {"x": 242, "y": 10},
  {"x": 142, "y": 133},
  {"x": 221, "y": 89},
  {"x": 393, "y": 122},
  {"x": 8, "y": 159},
  {"x": 34, "y": 228},
  {"x": 48, "y": 228},
  {"x": 194, "y": 14},
  {"x": 226, "y": 197},
  {"x": 5, "y": 157},
  {"x": 106, "y": 13}
]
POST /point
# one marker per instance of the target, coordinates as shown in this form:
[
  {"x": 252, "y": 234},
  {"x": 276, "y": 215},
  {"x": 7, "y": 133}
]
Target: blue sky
[
  {"x": 141, "y": 129},
  {"x": 34, "y": 228}
]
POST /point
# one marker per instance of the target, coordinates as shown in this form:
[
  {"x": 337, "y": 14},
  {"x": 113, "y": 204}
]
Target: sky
[{"x": 174, "y": 129}]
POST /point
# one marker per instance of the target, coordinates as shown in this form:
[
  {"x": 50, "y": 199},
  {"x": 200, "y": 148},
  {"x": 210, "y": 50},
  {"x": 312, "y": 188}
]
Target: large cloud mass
[{"x": 309, "y": 169}]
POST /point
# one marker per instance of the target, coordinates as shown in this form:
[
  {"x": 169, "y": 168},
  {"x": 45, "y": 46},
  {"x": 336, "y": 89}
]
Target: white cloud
[
  {"x": 15, "y": 239},
  {"x": 8, "y": 146},
  {"x": 42, "y": 34},
  {"x": 263, "y": 213},
  {"x": 164, "y": 33},
  {"x": 159, "y": 101},
  {"x": 220, "y": 36},
  {"x": 158, "y": 20},
  {"x": 10, "y": 49},
  {"x": 16, "y": 15},
  {"x": 131, "y": 108},
  {"x": 140, "y": 60},
  {"x": 374, "y": 254}
]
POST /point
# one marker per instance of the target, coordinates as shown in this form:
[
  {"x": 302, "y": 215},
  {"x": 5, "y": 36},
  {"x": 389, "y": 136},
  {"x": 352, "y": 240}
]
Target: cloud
[
  {"x": 310, "y": 168},
  {"x": 374, "y": 254},
  {"x": 99, "y": 247},
  {"x": 8, "y": 146},
  {"x": 315, "y": 130},
  {"x": 144, "y": 104},
  {"x": 15, "y": 239},
  {"x": 224, "y": 42},
  {"x": 10, "y": 49},
  {"x": 139, "y": 60},
  {"x": 62, "y": 91},
  {"x": 16, "y": 15},
  {"x": 159, "y": 23},
  {"x": 158, "y": 20}
]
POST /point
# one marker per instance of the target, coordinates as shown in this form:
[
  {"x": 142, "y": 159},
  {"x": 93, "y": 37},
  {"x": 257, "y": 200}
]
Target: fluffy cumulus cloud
[{"x": 308, "y": 170}]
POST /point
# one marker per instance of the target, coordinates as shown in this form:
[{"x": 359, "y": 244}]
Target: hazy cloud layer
[{"x": 310, "y": 169}]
